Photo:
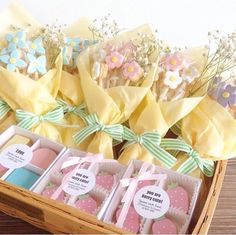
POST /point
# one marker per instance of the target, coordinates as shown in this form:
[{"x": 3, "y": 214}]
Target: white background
[{"x": 179, "y": 22}]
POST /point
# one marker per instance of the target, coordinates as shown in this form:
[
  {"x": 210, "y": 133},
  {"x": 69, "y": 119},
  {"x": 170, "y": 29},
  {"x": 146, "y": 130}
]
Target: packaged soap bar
[
  {"x": 153, "y": 200},
  {"x": 16, "y": 139},
  {"x": 82, "y": 180},
  {"x": 25, "y": 157}
]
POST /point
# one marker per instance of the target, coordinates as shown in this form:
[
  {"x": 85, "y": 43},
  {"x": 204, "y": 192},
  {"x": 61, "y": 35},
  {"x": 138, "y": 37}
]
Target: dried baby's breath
[
  {"x": 220, "y": 58},
  {"x": 146, "y": 46},
  {"x": 104, "y": 28},
  {"x": 53, "y": 40},
  {"x": 25, "y": 27}
]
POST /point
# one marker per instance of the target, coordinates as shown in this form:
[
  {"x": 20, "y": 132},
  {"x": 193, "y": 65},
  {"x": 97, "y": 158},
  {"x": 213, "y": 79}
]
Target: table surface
[{"x": 224, "y": 221}]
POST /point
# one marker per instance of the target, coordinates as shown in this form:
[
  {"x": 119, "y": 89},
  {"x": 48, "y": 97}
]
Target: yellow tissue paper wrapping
[
  {"x": 210, "y": 129},
  {"x": 112, "y": 105},
  {"x": 22, "y": 92},
  {"x": 70, "y": 88}
]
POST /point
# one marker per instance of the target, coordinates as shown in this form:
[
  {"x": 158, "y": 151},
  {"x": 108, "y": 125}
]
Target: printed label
[
  {"x": 81, "y": 182},
  {"x": 151, "y": 202},
  {"x": 16, "y": 156}
]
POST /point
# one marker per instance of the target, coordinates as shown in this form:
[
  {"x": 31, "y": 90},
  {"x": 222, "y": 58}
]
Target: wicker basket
[{"x": 58, "y": 218}]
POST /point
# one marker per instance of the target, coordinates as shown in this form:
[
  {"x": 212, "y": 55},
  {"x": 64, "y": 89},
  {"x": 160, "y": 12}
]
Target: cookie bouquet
[
  {"x": 166, "y": 103},
  {"x": 30, "y": 73},
  {"x": 77, "y": 37},
  {"x": 70, "y": 96},
  {"x": 200, "y": 128},
  {"x": 115, "y": 77}
]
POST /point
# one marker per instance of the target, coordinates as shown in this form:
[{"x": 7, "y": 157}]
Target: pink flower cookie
[
  {"x": 164, "y": 226},
  {"x": 50, "y": 190},
  {"x": 132, "y": 71},
  {"x": 178, "y": 197},
  {"x": 105, "y": 180},
  {"x": 132, "y": 220},
  {"x": 87, "y": 203},
  {"x": 173, "y": 62},
  {"x": 114, "y": 60}
]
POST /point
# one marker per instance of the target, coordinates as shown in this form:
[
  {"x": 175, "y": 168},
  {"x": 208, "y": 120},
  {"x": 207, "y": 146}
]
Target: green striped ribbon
[
  {"x": 176, "y": 129},
  {"x": 151, "y": 142},
  {"x": 79, "y": 110},
  {"x": 193, "y": 162},
  {"x": 4, "y": 108},
  {"x": 93, "y": 125},
  {"x": 27, "y": 120}
]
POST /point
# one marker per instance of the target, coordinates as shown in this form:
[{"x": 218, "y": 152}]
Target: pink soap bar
[
  {"x": 43, "y": 157},
  {"x": 2, "y": 168}
]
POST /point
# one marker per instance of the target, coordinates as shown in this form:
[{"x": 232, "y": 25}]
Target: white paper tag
[
  {"x": 151, "y": 202},
  {"x": 81, "y": 182},
  {"x": 16, "y": 156}
]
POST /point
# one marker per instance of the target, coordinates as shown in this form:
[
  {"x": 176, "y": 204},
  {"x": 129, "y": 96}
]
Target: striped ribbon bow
[
  {"x": 4, "y": 108},
  {"x": 79, "y": 110},
  {"x": 151, "y": 142},
  {"x": 93, "y": 125},
  {"x": 194, "y": 161},
  {"x": 27, "y": 120}
]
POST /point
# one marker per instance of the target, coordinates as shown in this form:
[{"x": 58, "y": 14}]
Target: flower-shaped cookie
[
  {"x": 172, "y": 79},
  {"x": 74, "y": 43},
  {"x": 4, "y": 51},
  {"x": 36, "y": 46},
  {"x": 225, "y": 94},
  {"x": 131, "y": 70},
  {"x": 36, "y": 64},
  {"x": 114, "y": 60},
  {"x": 173, "y": 62},
  {"x": 13, "y": 60},
  {"x": 16, "y": 40}
]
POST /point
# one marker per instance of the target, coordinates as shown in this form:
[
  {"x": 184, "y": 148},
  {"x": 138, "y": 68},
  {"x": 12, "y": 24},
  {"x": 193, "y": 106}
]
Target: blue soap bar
[{"x": 22, "y": 177}]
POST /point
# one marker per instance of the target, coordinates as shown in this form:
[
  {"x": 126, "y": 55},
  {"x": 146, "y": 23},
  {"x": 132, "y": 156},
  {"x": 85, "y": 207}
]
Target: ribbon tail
[
  {"x": 27, "y": 123},
  {"x": 115, "y": 131},
  {"x": 164, "y": 157},
  {"x": 208, "y": 167},
  {"x": 4, "y": 110},
  {"x": 84, "y": 133},
  {"x": 174, "y": 144},
  {"x": 188, "y": 166}
]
